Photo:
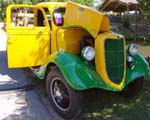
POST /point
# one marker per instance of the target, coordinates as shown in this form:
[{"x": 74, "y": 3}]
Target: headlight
[
  {"x": 130, "y": 59},
  {"x": 133, "y": 49},
  {"x": 88, "y": 53}
]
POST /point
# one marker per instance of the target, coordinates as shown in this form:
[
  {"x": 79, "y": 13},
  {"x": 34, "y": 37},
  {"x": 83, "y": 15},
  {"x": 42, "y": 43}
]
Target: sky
[{"x": 98, "y": 2}]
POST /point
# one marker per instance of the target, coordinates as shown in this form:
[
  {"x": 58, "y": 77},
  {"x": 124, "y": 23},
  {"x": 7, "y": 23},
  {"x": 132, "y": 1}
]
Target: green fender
[
  {"x": 78, "y": 73},
  {"x": 81, "y": 76},
  {"x": 141, "y": 69}
]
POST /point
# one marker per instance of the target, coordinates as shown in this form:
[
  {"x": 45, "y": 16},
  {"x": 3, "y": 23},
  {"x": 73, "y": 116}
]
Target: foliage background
[
  {"x": 144, "y": 5},
  {"x": 5, "y": 3}
]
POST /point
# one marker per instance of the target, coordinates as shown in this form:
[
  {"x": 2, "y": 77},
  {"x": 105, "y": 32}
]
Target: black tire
[
  {"x": 132, "y": 88},
  {"x": 66, "y": 101}
]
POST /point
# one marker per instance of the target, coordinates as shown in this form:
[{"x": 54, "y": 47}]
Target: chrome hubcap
[{"x": 60, "y": 94}]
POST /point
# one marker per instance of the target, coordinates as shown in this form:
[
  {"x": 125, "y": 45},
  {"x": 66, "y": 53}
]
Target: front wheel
[
  {"x": 133, "y": 88},
  {"x": 66, "y": 101}
]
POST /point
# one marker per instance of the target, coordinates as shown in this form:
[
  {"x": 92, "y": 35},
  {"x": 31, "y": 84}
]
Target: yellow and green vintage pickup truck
[{"x": 72, "y": 48}]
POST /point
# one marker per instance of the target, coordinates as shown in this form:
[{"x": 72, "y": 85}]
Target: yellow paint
[
  {"x": 26, "y": 46},
  {"x": 31, "y": 46},
  {"x": 100, "y": 59},
  {"x": 69, "y": 39},
  {"x": 51, "y": 6},
  {"x": 34, "y": 46},
  {"x": 87, "y": 18}
]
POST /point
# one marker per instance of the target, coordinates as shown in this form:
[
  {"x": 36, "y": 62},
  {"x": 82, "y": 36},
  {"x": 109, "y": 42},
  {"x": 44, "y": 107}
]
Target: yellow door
[{"x": 28, "y": 36}]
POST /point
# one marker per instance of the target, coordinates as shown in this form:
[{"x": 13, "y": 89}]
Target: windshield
[{"x": 58, "y": 16}]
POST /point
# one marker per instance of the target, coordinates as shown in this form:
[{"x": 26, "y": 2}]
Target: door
[{"x": 28, "y": 36}]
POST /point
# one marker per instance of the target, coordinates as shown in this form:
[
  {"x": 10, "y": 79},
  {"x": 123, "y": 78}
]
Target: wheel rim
[{"x": 60, "y": 94}]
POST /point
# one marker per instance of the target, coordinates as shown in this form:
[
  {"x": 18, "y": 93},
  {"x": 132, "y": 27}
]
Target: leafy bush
[{"x": 126, "y": 22}]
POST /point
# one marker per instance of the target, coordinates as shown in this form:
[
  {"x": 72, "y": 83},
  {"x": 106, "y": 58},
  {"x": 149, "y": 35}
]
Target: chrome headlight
[
  {"x": 88, "y": 53},
  {"x": 130, "y": 59},
  {"x": 133, "y": 49}
]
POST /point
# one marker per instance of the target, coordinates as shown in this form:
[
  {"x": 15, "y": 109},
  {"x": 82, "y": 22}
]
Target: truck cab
[
  {"x": 72, "y": 47},
  {"x": 43, "y": 27}
]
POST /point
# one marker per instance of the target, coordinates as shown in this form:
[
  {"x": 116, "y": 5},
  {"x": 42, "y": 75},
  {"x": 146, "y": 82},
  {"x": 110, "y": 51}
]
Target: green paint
[
  {"x": 114, "y": 57},
  {"x": 80, "y": 76},
  {"x": 40, "y": 72},
  {"x": 141, "y": 69}
]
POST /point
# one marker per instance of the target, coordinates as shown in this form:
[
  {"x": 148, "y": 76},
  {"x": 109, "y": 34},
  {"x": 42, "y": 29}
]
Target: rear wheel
[
  {"x": 66, "y": 101},
  {"x": 132, "y": 88}
]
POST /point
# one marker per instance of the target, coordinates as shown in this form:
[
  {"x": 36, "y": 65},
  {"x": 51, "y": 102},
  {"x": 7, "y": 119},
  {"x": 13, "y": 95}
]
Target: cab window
[
  {"x": 22, "y": 17},
  {"x": 58, "y": 16}
]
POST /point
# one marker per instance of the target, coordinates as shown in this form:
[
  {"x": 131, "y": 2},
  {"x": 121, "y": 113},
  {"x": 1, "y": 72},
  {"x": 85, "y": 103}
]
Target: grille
[{"x": 114, "y": 58}]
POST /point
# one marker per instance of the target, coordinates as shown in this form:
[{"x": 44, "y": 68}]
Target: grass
[{"x": 103, "y": 105}]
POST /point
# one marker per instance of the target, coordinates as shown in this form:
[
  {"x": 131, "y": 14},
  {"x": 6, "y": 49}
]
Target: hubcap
[{"x": 60, "y": 94}]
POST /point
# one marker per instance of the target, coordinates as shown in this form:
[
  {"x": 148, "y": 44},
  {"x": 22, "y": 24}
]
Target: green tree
[
  {"x": 5, "y": 3},
  {"x": 83, "y": 2},
  {"x": 58, "y": 0},
  {"x": 144, "y": 6}
]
